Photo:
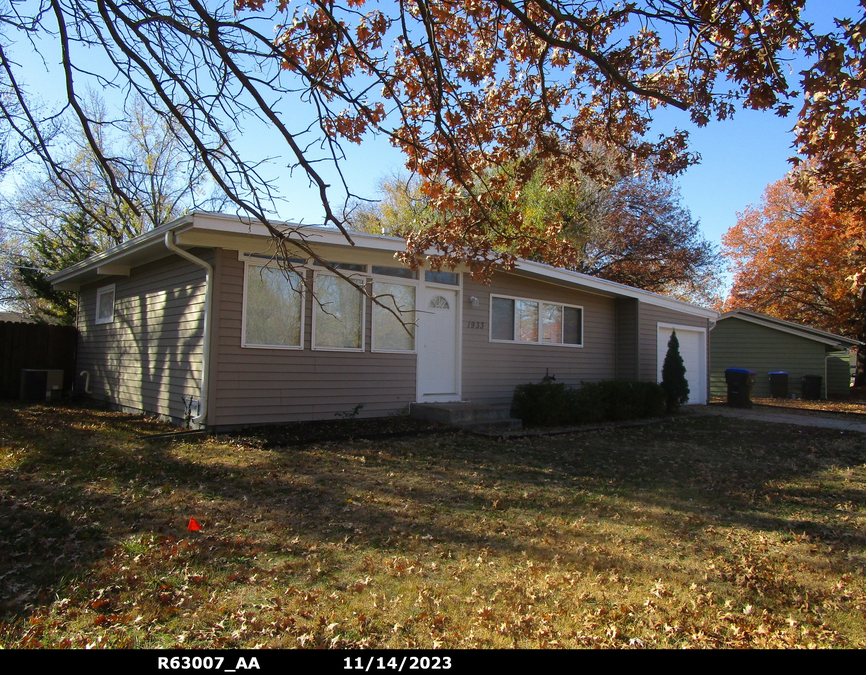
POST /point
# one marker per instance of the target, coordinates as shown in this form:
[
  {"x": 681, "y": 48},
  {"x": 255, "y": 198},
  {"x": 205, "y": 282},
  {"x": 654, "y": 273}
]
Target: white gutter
[{"x": 208, "y": 295}]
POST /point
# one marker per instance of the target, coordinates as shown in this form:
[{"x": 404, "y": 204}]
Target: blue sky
[{"x": 740, "y": 157}]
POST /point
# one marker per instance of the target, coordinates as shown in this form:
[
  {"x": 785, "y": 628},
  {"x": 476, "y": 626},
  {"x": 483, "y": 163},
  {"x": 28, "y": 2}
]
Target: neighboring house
[
  {"x": 764, "y": 344},
  {"x": 15, "y": 317},
  {"x": 154, "y": 323}
]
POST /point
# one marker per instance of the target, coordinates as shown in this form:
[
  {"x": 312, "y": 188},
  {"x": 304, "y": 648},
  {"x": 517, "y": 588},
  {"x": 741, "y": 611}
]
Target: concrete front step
[{"x": 466, "y": 415}]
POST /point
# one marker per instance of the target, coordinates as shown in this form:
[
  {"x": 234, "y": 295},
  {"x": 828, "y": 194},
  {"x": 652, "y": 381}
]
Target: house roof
[
  {"x": 202, "y": 229},
  {"x": 791, "y": 328},
  {"x": 15, "y": 317}
]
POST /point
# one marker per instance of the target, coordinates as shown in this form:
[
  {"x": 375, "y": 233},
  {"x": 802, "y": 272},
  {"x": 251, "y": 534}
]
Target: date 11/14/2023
[{"x": 399, "y": 664}]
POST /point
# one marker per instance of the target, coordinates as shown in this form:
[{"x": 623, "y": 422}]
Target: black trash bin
[
  {"x": 740, "y": 382},
  {"x": 812, "y": 387},
  {"x": 779, "y": 384}
]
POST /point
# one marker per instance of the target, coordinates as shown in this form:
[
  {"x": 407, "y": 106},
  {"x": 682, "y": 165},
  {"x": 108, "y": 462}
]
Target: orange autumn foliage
[
  {"x": 476, "y": 94},
  {"x": 796, "y": 258}
]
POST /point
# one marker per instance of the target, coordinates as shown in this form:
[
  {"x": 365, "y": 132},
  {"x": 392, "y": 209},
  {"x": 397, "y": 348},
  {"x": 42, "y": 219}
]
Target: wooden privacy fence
[{"x": 35, "y": 345}]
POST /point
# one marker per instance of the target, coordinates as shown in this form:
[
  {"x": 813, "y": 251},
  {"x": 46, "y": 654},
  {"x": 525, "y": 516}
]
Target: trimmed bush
[
  {"x": 543, "y": 404},
  {"x": 554, "y": 404}
]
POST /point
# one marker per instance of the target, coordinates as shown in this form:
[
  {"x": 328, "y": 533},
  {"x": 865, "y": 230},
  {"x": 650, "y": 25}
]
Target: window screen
[
  {"x": 338, "y": 313},
  {"x": 394, "y": 330},
  {"x": 273, "y": 307}
]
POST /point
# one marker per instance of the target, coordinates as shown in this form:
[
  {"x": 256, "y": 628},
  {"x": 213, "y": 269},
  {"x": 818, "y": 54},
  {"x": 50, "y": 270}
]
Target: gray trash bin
[
  {"x": 812, "y": 387},
  {"x": 779, "y": 384},
  {"x": 740, "y": 382}
]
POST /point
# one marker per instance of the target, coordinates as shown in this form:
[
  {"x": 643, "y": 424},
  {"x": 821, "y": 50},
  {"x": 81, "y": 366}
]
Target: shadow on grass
[{"x": 76, "y": 484}]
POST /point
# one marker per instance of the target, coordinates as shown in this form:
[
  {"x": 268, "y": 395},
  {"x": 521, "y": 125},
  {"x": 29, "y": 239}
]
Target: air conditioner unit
[{"x": 41, "y": 385}]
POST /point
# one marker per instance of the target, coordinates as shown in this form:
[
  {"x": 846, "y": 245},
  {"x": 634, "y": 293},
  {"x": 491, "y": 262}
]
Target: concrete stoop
[{"x": 466, "y": 415}]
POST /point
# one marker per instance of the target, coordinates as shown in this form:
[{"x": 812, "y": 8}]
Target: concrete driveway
[{"x": 804, "y": 418}]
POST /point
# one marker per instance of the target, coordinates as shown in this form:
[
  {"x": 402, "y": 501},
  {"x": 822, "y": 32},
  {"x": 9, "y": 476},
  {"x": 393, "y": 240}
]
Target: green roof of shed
[{"x": 792, "y": 328}]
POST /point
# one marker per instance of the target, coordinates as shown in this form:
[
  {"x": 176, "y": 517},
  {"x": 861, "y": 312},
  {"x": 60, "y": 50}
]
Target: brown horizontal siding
[
  {"x": 627, "y": 356},
  {"x": 267, "y": 386},
  {"x": 491, "y": 370},
  {"x": 149, "y": 357},
  {"x": 650, "y": 317}
]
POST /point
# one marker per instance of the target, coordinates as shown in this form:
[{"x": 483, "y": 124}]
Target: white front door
[
  {"x": 438, "y": 353},
  {"x": 693, "y": 349}
]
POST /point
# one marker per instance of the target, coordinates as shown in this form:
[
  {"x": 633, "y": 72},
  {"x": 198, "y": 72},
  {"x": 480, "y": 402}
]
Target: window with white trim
[
  {"x": 393, "y": 323},
  {"x": 338, "y": 313},
  {"x": 273, "y": 308},
  {"x": 535, "y": 322},
  {"x": 105, "y": 304}
]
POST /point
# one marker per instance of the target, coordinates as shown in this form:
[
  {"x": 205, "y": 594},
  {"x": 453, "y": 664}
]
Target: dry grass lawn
[{"x": 698, "y": 532}]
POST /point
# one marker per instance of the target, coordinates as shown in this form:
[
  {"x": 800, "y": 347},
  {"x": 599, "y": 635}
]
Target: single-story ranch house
[{"x": 196, "y": 317}]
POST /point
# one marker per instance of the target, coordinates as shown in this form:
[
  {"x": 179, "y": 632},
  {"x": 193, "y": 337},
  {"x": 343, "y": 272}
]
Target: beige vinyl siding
[
  {"x": 252, "y": 385},
  {"x": 491, "y": 370},
  {"x": 149, "y": 357},
  {"x": 650, "y": 317},
  {"x": 742, "y": 344}
]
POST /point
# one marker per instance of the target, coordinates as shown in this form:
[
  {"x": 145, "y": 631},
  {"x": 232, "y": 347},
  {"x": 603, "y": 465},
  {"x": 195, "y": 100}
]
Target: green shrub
[
  {"x": 552, "y": 404},
  {"x": 546, "y": 403},
  {"x": 674, "y": 382}
]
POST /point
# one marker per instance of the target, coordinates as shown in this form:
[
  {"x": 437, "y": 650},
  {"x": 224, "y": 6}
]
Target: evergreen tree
[
  {"x": 674, "y": 382},
  {"x": 50, "y": 252}
]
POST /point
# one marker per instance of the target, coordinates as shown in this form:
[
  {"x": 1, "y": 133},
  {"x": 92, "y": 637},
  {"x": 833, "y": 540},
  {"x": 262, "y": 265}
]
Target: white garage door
[{"x": 693, "y": 349}]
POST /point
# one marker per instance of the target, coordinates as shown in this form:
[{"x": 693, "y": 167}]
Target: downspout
[
  {"x": 86, "y": 375},
  {"x": 208, "y": 295}
]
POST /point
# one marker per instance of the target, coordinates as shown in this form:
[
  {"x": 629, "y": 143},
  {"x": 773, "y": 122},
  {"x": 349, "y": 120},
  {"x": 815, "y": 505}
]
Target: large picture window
[
  {"x": 338, "y": 314},
  {"x": 535, "y": 322},
  {"x": 393, "y": 327},
  {"x": 273, "y": 308}
]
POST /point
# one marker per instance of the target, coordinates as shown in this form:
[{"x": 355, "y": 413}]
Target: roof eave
[
  {"x": 111, "y": 262},
  {"x": 614, "y": 288}
]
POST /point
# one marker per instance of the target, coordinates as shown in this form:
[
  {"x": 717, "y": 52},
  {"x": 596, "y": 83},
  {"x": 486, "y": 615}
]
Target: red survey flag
[{"x": 193, "y": 525}]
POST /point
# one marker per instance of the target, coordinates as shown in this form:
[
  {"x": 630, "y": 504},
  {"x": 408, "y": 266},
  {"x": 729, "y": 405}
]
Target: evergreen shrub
[{"x": 674, "y": 382}]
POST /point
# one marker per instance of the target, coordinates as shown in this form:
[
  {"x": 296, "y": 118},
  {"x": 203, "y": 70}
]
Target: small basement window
[{"x": 105, "y": 304}]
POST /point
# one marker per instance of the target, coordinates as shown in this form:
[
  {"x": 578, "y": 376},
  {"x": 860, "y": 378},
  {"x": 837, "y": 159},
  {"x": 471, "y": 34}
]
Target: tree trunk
[{"x": 860, "y": 365}]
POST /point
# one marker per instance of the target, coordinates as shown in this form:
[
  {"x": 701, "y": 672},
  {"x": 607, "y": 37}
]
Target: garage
[{"x": 693, "y": 349}]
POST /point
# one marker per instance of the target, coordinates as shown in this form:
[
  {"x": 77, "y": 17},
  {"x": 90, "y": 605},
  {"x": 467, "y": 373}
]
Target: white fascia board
[
  {"x": 793, "y": 329},
  {"x": 113, "y": 269},
  {"x": 311, "y": 234},
  {"x": 116, "y": 257},
  {"x": 219, "y": 223},
  {"x": 614, "y": 288}
]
